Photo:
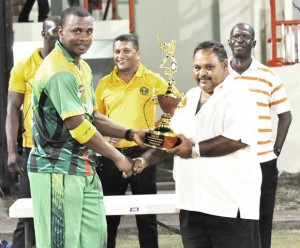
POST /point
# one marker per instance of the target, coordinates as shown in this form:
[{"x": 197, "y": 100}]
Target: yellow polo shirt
[
  {"x": 21, "y": 79},
  {"x": 130, "y": 104}
]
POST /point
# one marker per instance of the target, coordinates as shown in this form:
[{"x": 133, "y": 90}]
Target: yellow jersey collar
[{"x": 139, "y": 73}]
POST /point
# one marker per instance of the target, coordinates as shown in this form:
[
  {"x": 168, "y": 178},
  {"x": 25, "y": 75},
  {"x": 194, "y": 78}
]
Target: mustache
[{"x": 205, "y": 78}]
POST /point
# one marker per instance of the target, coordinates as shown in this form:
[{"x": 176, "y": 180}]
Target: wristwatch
[
  {"x": 277, "y": 150},
  {"x": 195, "y": 151}
]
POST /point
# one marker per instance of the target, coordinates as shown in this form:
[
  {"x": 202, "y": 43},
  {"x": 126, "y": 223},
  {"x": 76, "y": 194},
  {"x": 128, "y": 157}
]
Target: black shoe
[{"x": 41, "y": 19}]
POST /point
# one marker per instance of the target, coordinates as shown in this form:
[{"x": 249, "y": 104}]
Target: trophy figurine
[{"x": 163, "y": 137}]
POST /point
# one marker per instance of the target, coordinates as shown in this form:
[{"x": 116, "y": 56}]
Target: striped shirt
[{"x": 269, "y": 94}]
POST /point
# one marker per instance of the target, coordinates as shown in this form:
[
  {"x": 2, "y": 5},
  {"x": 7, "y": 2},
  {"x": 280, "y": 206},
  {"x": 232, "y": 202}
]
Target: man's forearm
[
  {"x": 11, "y": 128},
  {"x": 108, "y": 128},
  {"x": 154, "y": 156},
  {"x": 12, "y": 124},
  {"x": 284, "y": 122},
  {"x": 99, "y": 145},
  {"x": 219, "y": 146}
]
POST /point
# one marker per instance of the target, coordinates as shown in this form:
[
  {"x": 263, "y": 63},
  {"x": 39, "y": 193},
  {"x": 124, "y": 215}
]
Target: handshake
[
  {"x": 131, "y": 167},
  {"x": 134, "y": 166}
]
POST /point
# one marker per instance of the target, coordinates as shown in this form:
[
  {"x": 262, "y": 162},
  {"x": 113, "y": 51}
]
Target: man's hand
[
  {"x": 124, "y": 164},
  {"x": 14, "y": 162},
  {"x": 184, "y": 149},
  {"x": 139, "y": 165},
  {"x": 138, "y": 136}
]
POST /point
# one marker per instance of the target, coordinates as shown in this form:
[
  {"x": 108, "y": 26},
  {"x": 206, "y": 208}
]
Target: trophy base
[{"x": 161, "y": 140}]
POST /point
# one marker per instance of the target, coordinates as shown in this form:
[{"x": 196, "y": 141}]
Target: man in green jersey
[{"x": 67, "y": 194}]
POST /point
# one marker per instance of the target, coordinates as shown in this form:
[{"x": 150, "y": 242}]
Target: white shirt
[
  {"x": 219, "y": 185},
  {"x": 269, "y": 93}
]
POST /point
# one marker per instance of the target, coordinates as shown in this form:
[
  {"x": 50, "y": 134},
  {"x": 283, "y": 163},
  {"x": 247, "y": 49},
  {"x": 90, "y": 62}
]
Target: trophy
[{"x": 163, "y": 137}]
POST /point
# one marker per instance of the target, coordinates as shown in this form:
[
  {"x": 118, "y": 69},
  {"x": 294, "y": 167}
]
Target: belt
[{"x": 130, "y": 150}]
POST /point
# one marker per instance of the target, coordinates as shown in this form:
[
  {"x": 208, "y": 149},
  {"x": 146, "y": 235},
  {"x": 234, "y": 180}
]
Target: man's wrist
[
  {"x": 128, "y": 135},
  {"x": 277, "y": 150},
  {"x": 140, "y": 168},
  {"x": 195, "y": 151}
]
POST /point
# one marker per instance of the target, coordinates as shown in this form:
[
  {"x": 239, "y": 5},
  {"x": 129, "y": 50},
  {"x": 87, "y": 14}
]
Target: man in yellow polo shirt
[
  {"x": 125, "y": 96},
  {"x": 19, "y": 98}
]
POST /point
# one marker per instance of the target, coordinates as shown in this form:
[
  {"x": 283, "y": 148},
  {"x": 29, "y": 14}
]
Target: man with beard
[
  {"x": 269, "y": 93},
  {"x": 66, "y": 192}
]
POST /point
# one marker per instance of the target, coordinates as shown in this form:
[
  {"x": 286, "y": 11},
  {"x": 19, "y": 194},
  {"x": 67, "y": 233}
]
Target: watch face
[
  {"x": 277, "y": 150},
  {"x": 195, "y": 151},
  {"x": 195, "y": 155}
]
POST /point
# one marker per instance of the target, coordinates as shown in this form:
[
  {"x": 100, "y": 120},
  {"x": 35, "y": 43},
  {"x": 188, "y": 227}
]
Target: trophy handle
[
  {"x": 183, "y": 101},
  {"x": 154, "y": 96},
  {"x": 154, "y": 99}
]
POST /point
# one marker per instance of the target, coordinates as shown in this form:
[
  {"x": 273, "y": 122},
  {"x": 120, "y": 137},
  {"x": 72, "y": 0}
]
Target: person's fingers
[
  {"x": 139, "y": 164},
  {"x": 15, "y": 168},
  {"x": 173, "y": 150}
]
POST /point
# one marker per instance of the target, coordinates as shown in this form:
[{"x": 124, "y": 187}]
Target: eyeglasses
[{"x": 244, "y": 37}]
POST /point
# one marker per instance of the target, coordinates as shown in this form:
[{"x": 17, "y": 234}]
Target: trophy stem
[
  {"x": 165, "y": 122},
  {"x": 164, "y": 126},
  {"x": 162, "y": 136}
]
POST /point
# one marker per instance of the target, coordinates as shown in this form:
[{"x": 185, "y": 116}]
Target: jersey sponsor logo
[
  {"x": 144, "y": 90},
  {"x": 80, "y": 91}
]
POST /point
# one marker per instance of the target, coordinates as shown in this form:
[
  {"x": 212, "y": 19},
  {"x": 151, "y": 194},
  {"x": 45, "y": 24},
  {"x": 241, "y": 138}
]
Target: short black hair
[
  {"x": 74, "y": 10},
  {"x": 217, "y": 48},
  {"x": 130, "y": 38}
]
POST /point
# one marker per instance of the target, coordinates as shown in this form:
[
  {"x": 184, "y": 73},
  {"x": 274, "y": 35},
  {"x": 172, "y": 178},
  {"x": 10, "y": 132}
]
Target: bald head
[
  {"x": 50, "y": 33},
  {"x": 244, "y": 26},
  {"x": 51, "y": 19}
]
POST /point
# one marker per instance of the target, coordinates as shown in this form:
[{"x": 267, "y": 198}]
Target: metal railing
[
  {"x": 113, "y": 3},
  {"x": 290, "y": 39}
]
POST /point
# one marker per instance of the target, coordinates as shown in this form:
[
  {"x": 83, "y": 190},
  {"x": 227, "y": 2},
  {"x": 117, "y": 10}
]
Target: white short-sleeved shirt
[{"x": 219, "y": 185}]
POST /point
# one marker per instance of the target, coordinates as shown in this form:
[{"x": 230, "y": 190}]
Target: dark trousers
[
  {"x": 200, "y": 230},
  {"x": 43, "y": 10},
  {"x": 24, "y": 192},
  {"x": 114, "y": 184},
  {"x": 267, "y": 201}
]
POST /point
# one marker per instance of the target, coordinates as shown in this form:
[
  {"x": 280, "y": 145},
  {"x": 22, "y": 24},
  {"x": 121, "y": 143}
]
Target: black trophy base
[{"x": 160, "y": 140}]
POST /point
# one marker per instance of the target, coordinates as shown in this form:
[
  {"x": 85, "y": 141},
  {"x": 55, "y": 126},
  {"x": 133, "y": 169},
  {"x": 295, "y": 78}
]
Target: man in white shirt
[
  {"x": 269, "y": 93},
  {"x": 216, "y": 171}
]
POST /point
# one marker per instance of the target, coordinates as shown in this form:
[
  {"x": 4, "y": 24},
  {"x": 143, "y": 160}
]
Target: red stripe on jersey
[{"x": 87, "y": 164}]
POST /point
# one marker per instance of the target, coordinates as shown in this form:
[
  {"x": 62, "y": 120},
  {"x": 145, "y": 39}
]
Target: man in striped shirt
[{"x": 269, "y": 94}]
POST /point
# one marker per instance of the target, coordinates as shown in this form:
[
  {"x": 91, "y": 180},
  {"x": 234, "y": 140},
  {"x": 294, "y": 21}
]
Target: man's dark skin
[
  {"x": 242, "y": 41},
  {"x": 240, "y": 63},
  {"x": 15, "y": 99}
]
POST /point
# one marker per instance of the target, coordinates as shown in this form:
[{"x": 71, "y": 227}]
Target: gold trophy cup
[{"x": 163, "y": 137}]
